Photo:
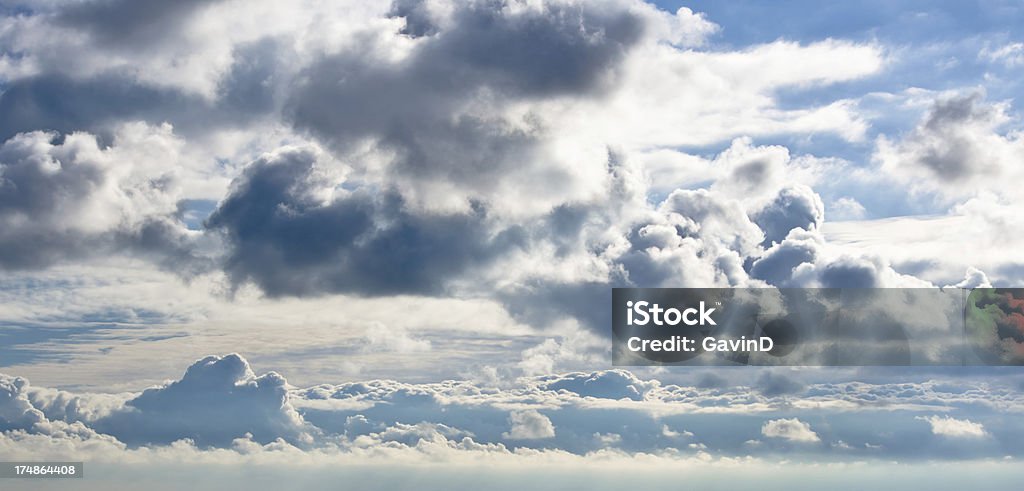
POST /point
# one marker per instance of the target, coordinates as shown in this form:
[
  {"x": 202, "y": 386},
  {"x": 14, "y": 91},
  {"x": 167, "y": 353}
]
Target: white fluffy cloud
[
  {"x": 67, "y": 196},
  {"x": 791, "y": 429},
  {"x": 217, "y": 400},
  {"x": 529, "y": 425},
  {"x": 948, "y": 426},
  {"x": 16, "y": 412}
]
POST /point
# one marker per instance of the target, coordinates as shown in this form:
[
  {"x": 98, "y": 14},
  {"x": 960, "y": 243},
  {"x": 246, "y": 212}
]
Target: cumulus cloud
[
  {"x": 529, "y": 425},
  {"x": 778, "y": 265},
  {"x": 66, "y": 196},
  {"x": 16, "y": 411},
  {"x": 974, "y": 278},
  {"x": 791, "y": 429},
  {"x": 951, "y": 427},
  {"x": 20, "y": 418},
  {"x": 794, "y": 207},
  {"x": 217, "y": 400}
]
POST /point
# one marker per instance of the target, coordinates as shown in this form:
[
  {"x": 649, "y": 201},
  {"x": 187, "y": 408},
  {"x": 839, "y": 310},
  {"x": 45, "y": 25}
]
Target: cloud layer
[{"x": 219, "y": 403}]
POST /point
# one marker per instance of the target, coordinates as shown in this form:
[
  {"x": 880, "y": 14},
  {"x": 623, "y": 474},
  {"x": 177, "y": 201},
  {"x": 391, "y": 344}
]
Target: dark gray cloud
[
  {"x": 850, "y": 272},
  {"x": 289, "y": 242},
  {"x": 161, "y": 241},
  {"x": 62, "y": 104},
  {"x": 419, "y": 21},
  {"x": 439, "y": 110},
  {"x": 774, "y": 383},
  {"x": 711, "y": 380},
  {"x": 130, "y": 24},
  {"x": 541, "y": 302},
  {"x": 958, "y": 140},
  {"x": 952, "y": 156},
  {"x": 56, "y": 102}
]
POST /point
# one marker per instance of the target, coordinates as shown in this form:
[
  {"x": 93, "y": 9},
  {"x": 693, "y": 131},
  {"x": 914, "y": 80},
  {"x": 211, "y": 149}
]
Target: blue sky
[
  {"x": 265, "y": 233},
  {"x": 936, "y": 46}
]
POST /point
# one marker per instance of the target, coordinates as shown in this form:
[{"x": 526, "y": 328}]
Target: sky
[{"x": 279, "y": 235}]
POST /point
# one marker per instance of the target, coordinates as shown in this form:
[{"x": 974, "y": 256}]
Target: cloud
[
  {"x": 846, "y": 208},
  {"x": 445, "y": 171},
  {"x": 125, "y": 22},
  {"x": 484, "y": 168},
  {"x": 381, "y": 338},
  {"x": 609, "y": 384},
  {"x": 292, "y": 232},
  {"x": 974, "y": 278},
  {"x": 921, "y": 246},
  {"x": 1009, "y": 55},
  {"x": 948, "y": 426},
  {"x": 529, "y": 425},
  {"x": 221, "y": 405},
  {"x": 772, "y": 383},
  {"x": 414, "y": 435},
  {"x": 449, "y": 125},
  {"x": 959, "y": 147},
  {"x": 794, "y": 207},
  {"x": 16, "y": 411},
  {"x": 52, "y": 102},
  {"x": 851, "y": 272},
  {"x": 217, "y": 400},
  {"x": 19, "y": 418},
  {"x": 711, "y": 380},
  {"x": 779, "y": 263},
  {"x": 66, "y": 196},
  {"x": 791, "y": 429},
  {"x": 670, "y": 433}
]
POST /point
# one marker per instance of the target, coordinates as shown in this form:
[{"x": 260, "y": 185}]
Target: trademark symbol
[{"x": 718, "y": 304}]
